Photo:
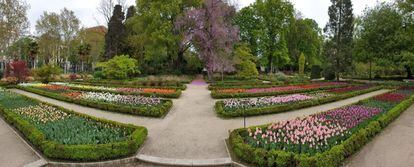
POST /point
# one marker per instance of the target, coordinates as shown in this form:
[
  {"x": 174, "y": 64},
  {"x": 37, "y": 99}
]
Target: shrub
[
  {"x": 98, "y": 75},
  {"x": 10, "y": 80},
  {"x": 18, "y": 69},
  {"x": 73, "y": 77},
  {"x": 46, "y": 73},
  {"x": 316, "y": 72},
  {"x": 245, "y": 62},
  {"x": 329, "y": 74},
  {"x": 119, "y": 67}
]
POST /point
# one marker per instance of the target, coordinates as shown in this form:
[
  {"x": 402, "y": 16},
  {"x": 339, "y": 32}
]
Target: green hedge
[
  {"x": 86, "y": 152},
  {"x": 219, "y": 106},
  {"x": 177, "y": 93},
  {"x": 333, "y": 157},
  {"x": 132, "y": 84},
  {"x": 218, "y": 95},
  {"x": 150, "y": 111}
]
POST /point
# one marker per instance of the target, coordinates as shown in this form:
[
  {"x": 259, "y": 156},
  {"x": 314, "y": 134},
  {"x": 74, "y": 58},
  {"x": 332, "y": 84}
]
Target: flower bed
[
  {"x": 272, "y": 91},
  {"x": 277, "y": 104},
  {"x": 130, "y": 104},
  {"x": 149, "y": 92},
  {"x": 65, "y": 135},
  {"x": 323, "y": 139}
]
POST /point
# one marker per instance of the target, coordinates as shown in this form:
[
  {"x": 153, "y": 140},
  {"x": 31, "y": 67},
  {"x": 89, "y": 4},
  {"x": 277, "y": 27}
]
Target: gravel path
[
  {"x": 13, "y": 151},
  {"x": 192, "y": 130},
  {"x": 393, "y": 147}
]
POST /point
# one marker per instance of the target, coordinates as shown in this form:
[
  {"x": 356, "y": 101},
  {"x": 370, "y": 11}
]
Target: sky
[{"x": 86, "y": 10}]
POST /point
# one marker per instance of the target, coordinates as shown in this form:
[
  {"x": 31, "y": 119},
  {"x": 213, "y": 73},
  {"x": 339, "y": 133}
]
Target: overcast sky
[{"x": 86, "y": 10}]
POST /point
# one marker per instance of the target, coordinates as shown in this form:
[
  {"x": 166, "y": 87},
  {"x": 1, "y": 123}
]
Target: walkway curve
[{"x": 192, "y": 130}]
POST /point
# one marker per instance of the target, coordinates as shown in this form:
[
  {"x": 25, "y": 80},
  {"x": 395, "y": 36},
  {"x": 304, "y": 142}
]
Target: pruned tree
[
  {"x": 212, "y": 33},
  {"x": 116, "y": 34}
]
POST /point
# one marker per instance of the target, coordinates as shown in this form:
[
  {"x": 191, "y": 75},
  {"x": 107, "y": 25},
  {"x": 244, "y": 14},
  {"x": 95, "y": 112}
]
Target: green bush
[
  {"x": 47, "y": 72},
  {"x": 302, "y": 61},
  {"x": 119, "y": 67},
  {"x": 329, "y": 74},
  {"x": 98, "y": 75},
  {"x": 316, "y": 72}
]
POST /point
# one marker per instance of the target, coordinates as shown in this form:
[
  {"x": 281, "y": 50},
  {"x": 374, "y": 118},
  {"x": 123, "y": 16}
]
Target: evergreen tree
[
  {"x": 131, "y": 12},
  {"x": 116, "y": 34},
  {"x": 340, "y": 31}
]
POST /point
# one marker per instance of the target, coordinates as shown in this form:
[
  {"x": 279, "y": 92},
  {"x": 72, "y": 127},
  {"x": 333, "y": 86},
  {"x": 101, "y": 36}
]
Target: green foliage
[
  {"x": 245, "y": 62},
  {"x": 120, "y": 67},
  {"x": 316, "y": 72},
  {"x": 302, "y": 61},
  {"x": 116, "y": 34},
  {"x": 47, "y": 72}
]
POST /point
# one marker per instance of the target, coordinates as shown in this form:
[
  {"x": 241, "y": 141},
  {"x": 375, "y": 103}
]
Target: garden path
[
  {"x": 192, "y": 130},
  {"x": 14, "y": 152},
  {"x": 392, "y": 147}
]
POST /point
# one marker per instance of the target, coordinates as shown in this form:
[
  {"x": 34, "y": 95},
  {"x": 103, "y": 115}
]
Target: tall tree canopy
[
  {"x": 264, "y": 26},
  {"x": 116, "y": 34},
  {"x": 13, "y": 22},
  {"x": 211, "y": 32},
  {"x": 385, "y": 35},
  {"x": 152, "y": 37},
  {"x": 340, "y": 30}
]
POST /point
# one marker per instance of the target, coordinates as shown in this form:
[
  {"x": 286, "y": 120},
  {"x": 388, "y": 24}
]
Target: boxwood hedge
[
  {"x": 219, "y": 106},
  {"x": 150, "y": 111}
]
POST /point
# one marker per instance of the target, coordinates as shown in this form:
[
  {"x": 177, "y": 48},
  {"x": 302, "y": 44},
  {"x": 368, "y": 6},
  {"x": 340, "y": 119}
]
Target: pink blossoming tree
[{"x": 209, "y": 30}]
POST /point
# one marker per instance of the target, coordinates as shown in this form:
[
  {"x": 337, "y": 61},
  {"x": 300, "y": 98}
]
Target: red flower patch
[{"x": 391, "y": 97}]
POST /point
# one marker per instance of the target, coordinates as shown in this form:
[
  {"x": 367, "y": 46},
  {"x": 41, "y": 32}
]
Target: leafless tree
[{"x": 106, "y": 7}]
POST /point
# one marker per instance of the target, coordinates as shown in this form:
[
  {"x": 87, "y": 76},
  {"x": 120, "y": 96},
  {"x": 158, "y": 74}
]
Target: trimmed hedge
[
  {"x": 218, "y": 95},
  {"x": 85, "y": 152},
  {"x": 333, "y": 157},
  {"x": 150, "y": 111},
  {"x": 219, "y": 106},
  {"x": 132, "y": 84},
  {"x": 177, "y": 93}
]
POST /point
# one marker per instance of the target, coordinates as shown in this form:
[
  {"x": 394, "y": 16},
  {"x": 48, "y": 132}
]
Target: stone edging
[{"x": 184, "y": 162}]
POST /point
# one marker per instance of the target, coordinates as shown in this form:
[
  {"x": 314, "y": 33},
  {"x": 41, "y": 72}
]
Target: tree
[
  {"x": 69, "y": 30},
  {"x": 116, "y": 34},
  {"x": 305, "y": 37},
  {"x": 384, "y": 37},
  {"x": 120, "y": 67},
  {"x": 106, "y": 8},
  {"x": 302, "y": 61},
  {"x": 13, "y": 22},
  {"x": 154, "y": 39},
  {"x": 95, "y": 37},
  {"x": 131, "y": 12},
  {"x": 212, "y": 33},
  {"x": 84, "y": 51},
  {"x": 18, "y": 69},
  {"x": 25, "y": 49},
  {"x": 245, "y": 62},
  {"x": 340, "y": 30},
  {"x": 264, "y": 26}
]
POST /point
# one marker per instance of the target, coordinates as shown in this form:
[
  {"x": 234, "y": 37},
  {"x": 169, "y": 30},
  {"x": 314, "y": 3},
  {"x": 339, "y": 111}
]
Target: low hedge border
[
  {"x": 177, "y": 93},
  {"x": 126, "y": 84},
  {"x": 219, "y": 106},
  {"x": 333, "y": 157},
  {"x": 84, "y": 153},
  {"x": 158, "y": 111},
  {"x": 218, "y": 95}
]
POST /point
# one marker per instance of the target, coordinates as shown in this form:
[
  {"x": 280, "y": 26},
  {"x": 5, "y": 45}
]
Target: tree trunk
[{"x": 370, "y": 69}]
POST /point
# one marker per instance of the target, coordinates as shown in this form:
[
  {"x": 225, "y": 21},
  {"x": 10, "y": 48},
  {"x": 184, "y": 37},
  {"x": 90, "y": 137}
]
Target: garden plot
[
  {"x": 131, "y": 104},
  {"x": 65, "y": 135},
  {"x": 321, "y": 139},
  {"x": 275, "y": 104}
]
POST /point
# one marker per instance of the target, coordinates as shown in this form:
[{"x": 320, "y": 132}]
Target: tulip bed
[
  {"x": 62, "y": 134},
  {"x": 283, "y": 103},
  {"x": 130, "y": 104},
  {"x": 272, "y": 91},
  {"x": 323, "y": 139},
  {"x": 148, "y": 92}
]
